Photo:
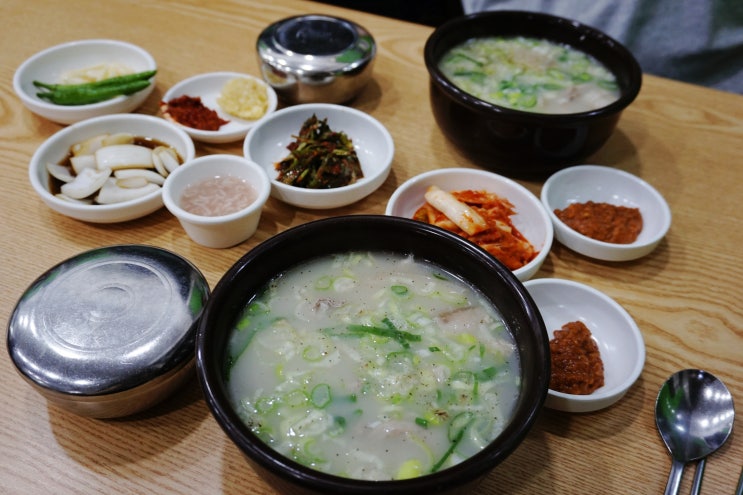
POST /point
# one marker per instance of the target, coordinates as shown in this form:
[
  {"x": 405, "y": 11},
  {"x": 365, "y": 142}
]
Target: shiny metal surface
[
  {"x": 694, "y": 413},
  {"x": 316, "y": 58},
  {"x": 106, "y": 325}
]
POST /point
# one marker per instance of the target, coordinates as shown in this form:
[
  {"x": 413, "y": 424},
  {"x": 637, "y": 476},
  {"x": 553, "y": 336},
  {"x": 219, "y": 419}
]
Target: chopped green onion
[
  {"x": 324, "y": 283},
  {"x": 457, "y": 428},
  {"x": 312, "y": 354},
  {"x": 321, "y": 396},
  {"x": 421, "y": 422},
  {"x": 399, "y": 290}
]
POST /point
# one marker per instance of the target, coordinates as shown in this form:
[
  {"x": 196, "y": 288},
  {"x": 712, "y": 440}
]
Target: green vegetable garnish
[
  {"x": 320, "y": 158},
  {"x": 85, "y": 94}
]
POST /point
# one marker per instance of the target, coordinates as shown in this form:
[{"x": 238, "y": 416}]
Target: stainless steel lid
[
  {"x": 107, "y": 320},
  {"x": 316, "y": 58}
]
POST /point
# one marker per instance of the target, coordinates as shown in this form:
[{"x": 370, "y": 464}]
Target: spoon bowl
[{"x": 694, "y": 414}]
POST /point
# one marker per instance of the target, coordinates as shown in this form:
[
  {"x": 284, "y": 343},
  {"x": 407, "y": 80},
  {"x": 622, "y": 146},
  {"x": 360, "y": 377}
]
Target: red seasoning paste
[
  {"x": 191, "y": 112},
  {"x": 576, "y": 362},
  {"x": 603, "y": 222}
]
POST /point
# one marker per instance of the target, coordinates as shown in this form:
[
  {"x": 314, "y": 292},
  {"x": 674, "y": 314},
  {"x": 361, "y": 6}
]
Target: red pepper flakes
[
  {"x": 191, "y": 112},
  {"x": 576, "y": 362}
]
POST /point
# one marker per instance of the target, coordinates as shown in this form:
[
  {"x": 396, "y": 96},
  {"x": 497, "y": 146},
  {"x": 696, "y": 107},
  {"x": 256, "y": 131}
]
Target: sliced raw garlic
[
  {"x": 111, "y": 193},
  {"x": 59, "y": 172},
  {"x": 85, "y": 184},
  {"x": 124, "y": 156}
]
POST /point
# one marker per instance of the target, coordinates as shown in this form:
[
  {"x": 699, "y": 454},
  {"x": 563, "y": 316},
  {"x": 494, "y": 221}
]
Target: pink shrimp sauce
[{"x": 217, "y": 196}]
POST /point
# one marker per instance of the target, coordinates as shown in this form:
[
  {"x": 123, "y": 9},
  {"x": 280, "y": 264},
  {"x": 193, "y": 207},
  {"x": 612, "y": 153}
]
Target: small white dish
[
  {"x": 266, "y": 145},
  {"x": 618, "y": 337},
  {"x": 221, "y": 231},
  {"x": 49, "y": 65},
  {"x": 57, "y": 148},
  {"x": 583, "y": 183},
  {"x": 208, "y": 87},
  {"x": 530, "y": 218}
]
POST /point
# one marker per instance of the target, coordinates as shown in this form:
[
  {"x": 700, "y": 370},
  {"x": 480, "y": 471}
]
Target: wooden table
[{"x": 686, "y": 296}]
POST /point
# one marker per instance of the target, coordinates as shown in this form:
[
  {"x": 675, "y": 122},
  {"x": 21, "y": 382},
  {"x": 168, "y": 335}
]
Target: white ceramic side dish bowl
[
  {"x": 220, "y": 231},
  {"x": 601, "y": 184},
  {"x": 57, "y": 147},
  {"x": 618, "y": 337},
  {"x": 530, "y": 218},
  {"x": 266, "y": 145},
  {"x": 49, "y": 65},
  {"x": 208, "y": 87}
]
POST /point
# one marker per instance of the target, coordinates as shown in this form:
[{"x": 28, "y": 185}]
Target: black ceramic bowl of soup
[
  {"x": 526, "y": 139},
  {"x": 326, "y": 267}
]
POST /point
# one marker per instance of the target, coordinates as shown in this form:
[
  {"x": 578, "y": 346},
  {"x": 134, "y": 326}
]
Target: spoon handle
[
  {"x": 739, "y": 490},
  {"x": 674, "y": 478},
  {"x": 696, "y": 486}
]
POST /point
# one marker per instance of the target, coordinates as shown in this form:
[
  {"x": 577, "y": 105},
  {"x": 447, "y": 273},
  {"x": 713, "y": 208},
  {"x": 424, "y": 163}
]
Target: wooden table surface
[{"x": 686, "y": 296}]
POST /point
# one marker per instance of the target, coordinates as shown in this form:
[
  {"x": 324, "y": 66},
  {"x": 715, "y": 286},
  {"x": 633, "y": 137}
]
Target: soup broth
[
  {"x": 530, "y": 74},
  {"x": 373, "y": 366}
]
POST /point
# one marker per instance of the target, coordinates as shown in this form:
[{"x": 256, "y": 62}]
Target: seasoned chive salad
[
  {"x": 530, "y": 74},
  {"x": 373, "y": 366}
]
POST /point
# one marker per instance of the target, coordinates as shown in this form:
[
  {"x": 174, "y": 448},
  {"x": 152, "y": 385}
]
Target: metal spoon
[{"x": 694, "y": 414}]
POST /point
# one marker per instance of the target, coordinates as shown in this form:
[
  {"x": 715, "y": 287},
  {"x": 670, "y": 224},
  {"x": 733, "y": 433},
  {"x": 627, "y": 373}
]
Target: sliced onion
[
  {"x": 112, "y": 193},
  {"x": 79, "y": 163},
  {"x": 118, "y": 138},
  {"x": 168, "y": 156},
  {"x": 86, "y": 201},
  {"x": 124, "y": 156},
  {"x": 59, "y": 172},
  {"x": 86, "y": 184},
  {"x": 148, "y": 175},
  {"x": 89, "y": 146}
]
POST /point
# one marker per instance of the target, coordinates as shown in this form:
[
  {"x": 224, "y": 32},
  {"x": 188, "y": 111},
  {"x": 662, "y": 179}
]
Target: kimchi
[{"x": 486, "y": 215}]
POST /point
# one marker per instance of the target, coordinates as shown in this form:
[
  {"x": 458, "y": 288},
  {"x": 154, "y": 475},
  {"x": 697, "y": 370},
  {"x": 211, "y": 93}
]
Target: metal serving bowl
[
  {"x": 316, "y": 58},
  {"x": 109, "y": 332}
]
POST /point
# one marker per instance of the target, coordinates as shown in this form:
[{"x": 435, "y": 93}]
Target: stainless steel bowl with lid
[
  {"x": 111, "y": 331},
  {"x": 316, "y": 58}
]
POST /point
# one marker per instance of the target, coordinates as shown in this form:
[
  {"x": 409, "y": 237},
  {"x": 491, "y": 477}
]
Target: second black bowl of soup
[
  {"x": 505, "y": 88},
  {"x": 352, "y": 355}
]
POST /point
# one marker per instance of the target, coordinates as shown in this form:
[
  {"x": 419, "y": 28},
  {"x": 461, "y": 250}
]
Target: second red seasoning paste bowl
[
  {"x": 617, "y": 336},
  {"x": 529, "y": 217},
  {"x": 600, "y": 184}
]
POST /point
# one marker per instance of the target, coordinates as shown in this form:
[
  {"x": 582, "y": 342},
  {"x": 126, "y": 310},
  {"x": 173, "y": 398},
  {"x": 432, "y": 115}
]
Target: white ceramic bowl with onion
[
  {"x": 617, "y": 336},
  {"x": 266, "y": 144},
  {"x": 225, "y": 195},
  {"x": 600, "y": 184},
  {"x": 50, "y": 64},
  {"x": 530, "y": 217},
  {"x": 57, "y": 148}
]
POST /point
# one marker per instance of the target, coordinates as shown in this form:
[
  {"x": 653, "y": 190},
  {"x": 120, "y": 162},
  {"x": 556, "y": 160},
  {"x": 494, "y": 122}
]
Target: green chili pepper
[{"x": 84, "y": 94}]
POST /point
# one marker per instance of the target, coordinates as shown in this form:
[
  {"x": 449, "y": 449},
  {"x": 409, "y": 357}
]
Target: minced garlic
[{"x": 244, "y": 98}]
